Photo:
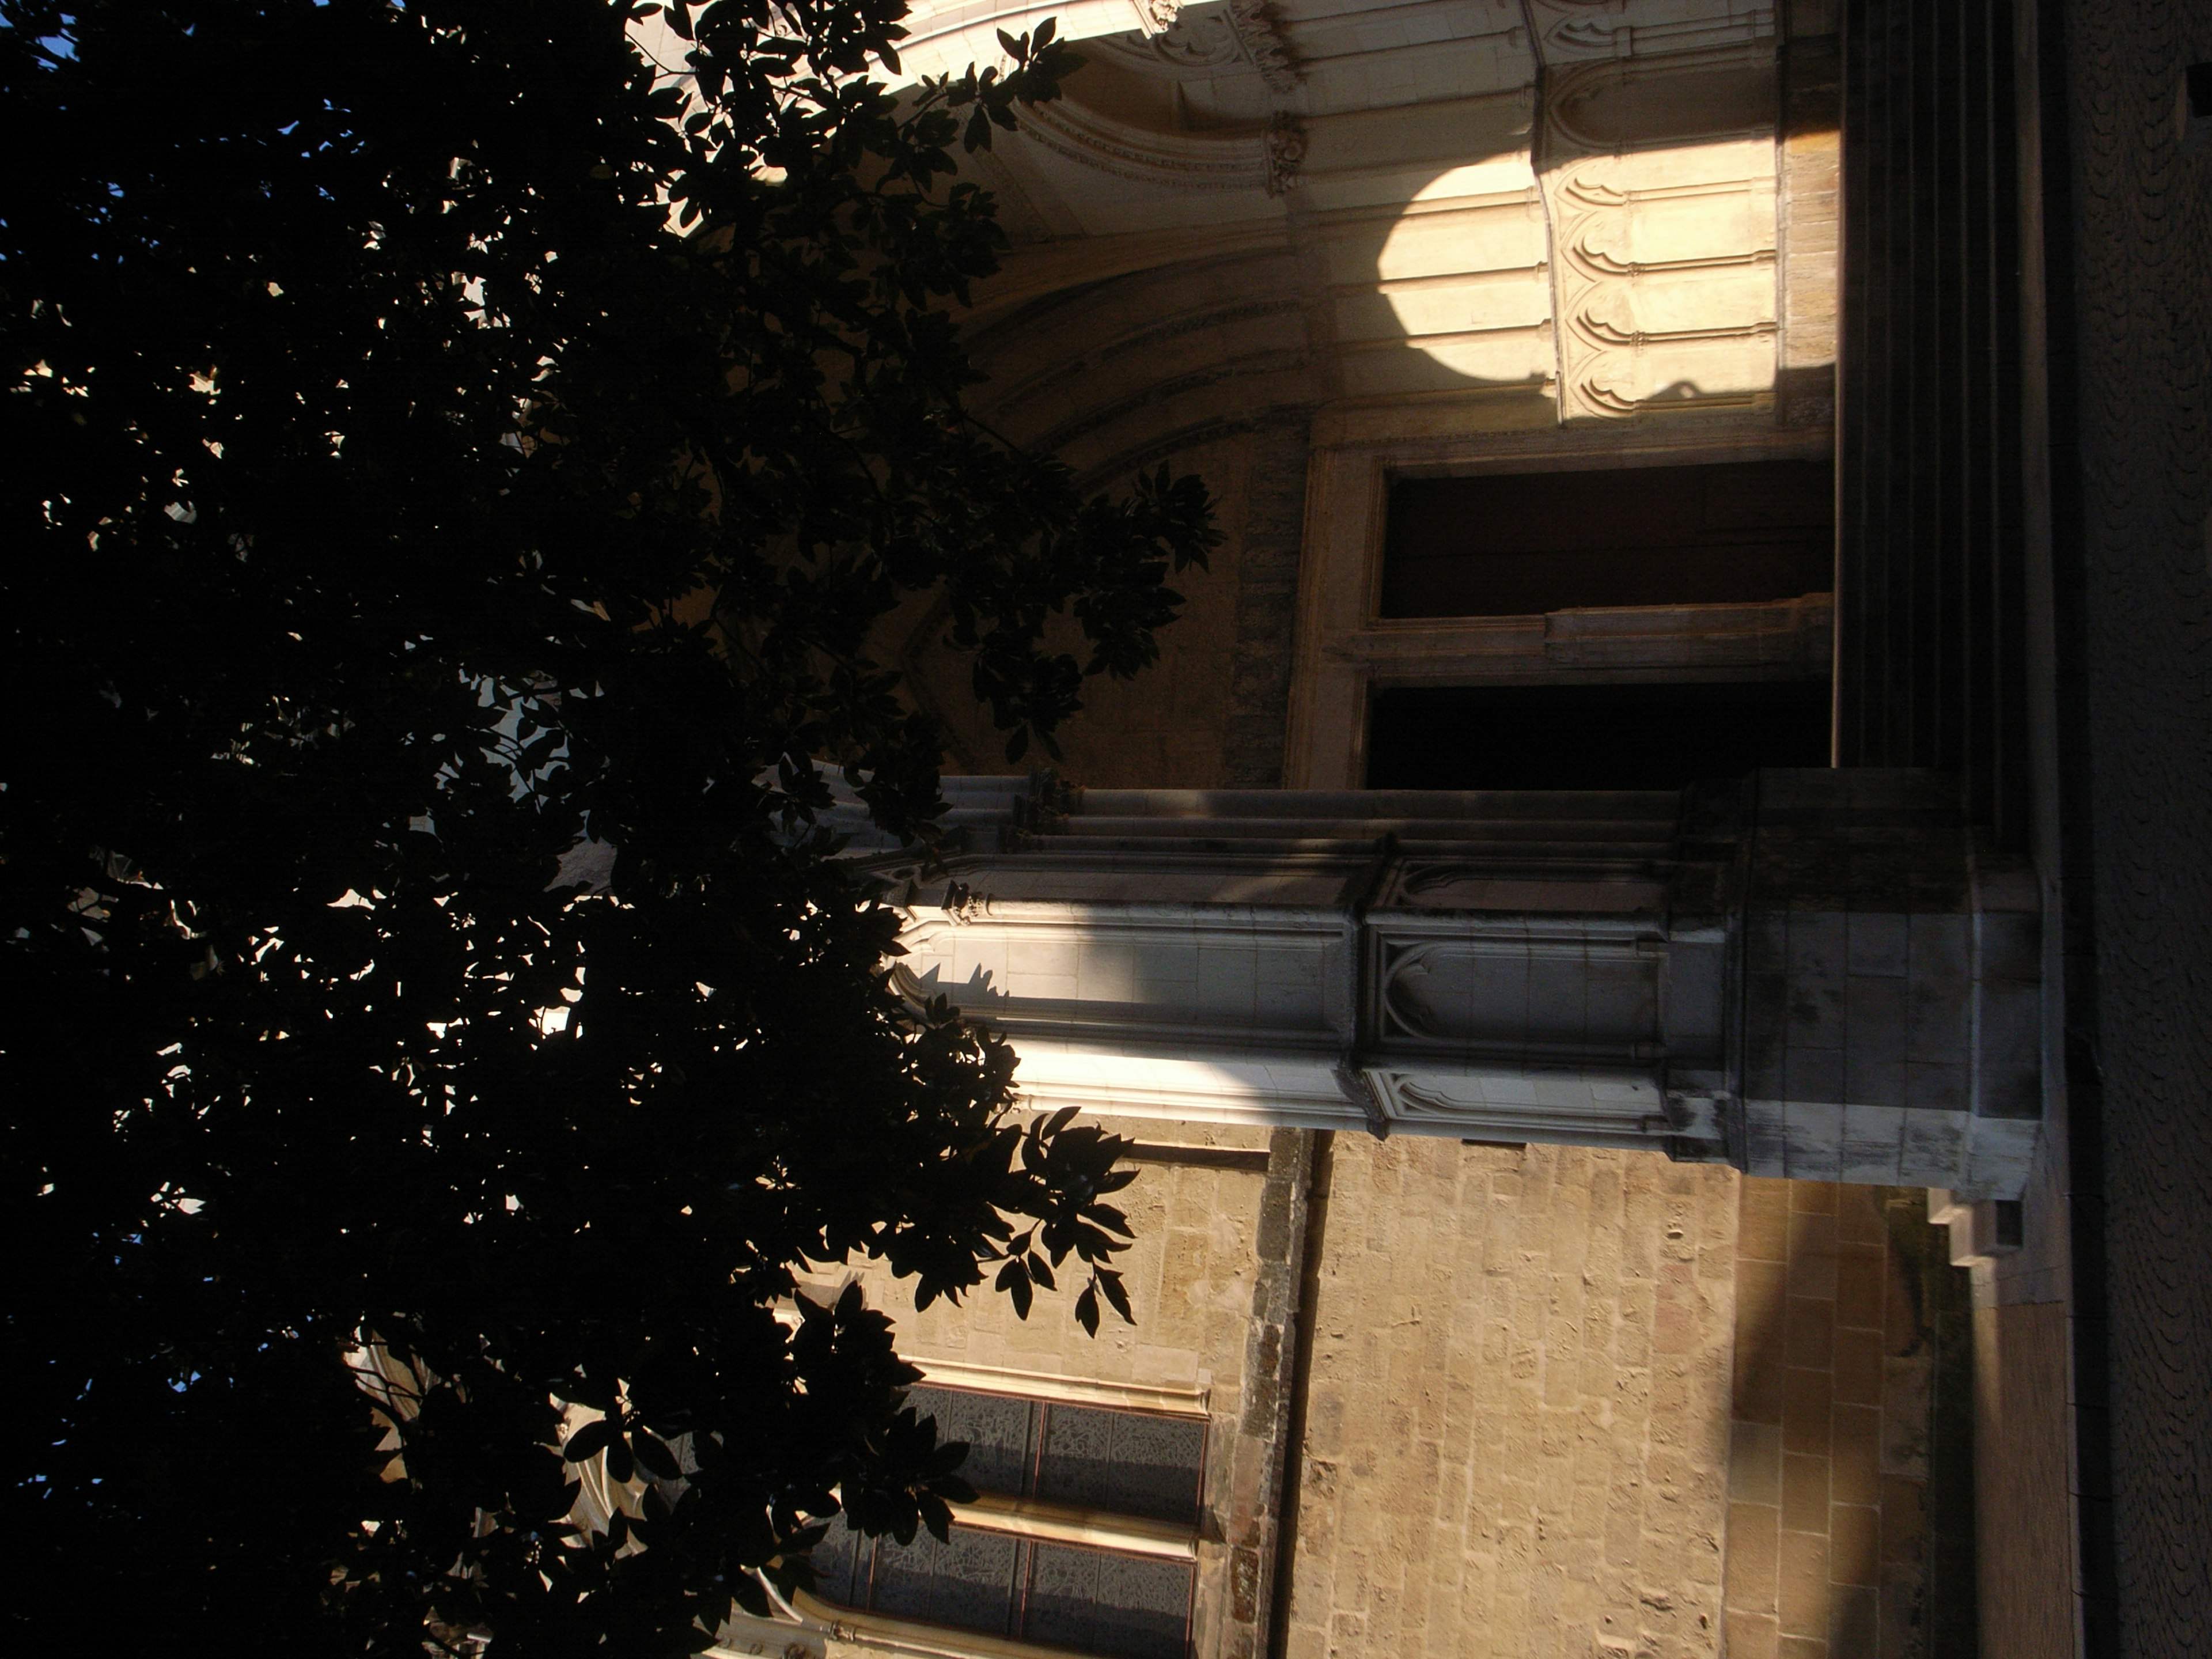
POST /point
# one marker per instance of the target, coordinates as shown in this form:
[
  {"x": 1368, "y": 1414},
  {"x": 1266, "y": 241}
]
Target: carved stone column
[{"x": 1811, "y": 974}]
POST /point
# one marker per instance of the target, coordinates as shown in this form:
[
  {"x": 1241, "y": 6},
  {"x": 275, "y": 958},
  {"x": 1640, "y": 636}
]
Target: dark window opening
[
  {"x": 1592, "y": 736},
  {"x": 1522, "y": 544},
  {"x": 1082, "y": 1597},
  {"x": 1139, "y": 1463},
  {"x": 1076, "y": 1596}
]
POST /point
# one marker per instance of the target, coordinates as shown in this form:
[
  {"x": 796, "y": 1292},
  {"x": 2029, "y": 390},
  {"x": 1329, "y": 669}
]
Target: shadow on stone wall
[{"x": 1850, "y": 1515}]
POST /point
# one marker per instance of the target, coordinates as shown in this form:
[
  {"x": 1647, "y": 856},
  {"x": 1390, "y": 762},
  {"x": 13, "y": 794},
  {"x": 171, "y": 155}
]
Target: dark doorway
[
  {"x": 1592, "y": 736},
  {"x": 1520, "y": 544}
]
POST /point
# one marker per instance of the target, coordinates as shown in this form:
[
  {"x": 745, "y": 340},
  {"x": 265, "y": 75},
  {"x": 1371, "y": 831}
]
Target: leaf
[
  {"x": 1111, "y": 1282},
  {"x": 747, "y": 1592},
  {"x": 614, "y": 522},
  {"x": 936, "y": 1515},
  {"x": 1014, "y": 1280},
  {"x": 589, "y": 1441},
  {"x": 654, "y": 1455}
]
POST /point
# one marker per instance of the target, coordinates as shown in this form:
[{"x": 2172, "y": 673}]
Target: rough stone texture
[
  {"x": 1847, "y": 1511},
  {"x": 1517, "y": 1431},
  {"x": 2021, "y": 1511},
  {"x": 2142, "y": 248}
]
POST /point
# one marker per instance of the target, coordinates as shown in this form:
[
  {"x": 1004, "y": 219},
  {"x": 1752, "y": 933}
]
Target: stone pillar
[{"x": 1812, "y": 973}]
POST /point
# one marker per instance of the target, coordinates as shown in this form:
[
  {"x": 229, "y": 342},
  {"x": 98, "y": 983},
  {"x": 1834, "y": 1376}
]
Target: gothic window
[{"x": 1064, "y": 1548}]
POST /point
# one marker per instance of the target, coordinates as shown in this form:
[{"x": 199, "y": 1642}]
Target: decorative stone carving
[
  {"x": 1818, "y": 974},
  {"x": 1255, "y": 24},
  {"x": 1263, "y": 160},
  {"x": 1196, "y": 38},
  {"x": 1578, "y": 31},
  {"x": 1205, "y": 40},
  {"x": 1664, "y": 266},
  {"x": 1285, "y": 142}
]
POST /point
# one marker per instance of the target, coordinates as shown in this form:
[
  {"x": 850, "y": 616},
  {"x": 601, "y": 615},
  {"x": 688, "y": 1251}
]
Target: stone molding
[
  {"x": 1579, "y": 31},
  {"x": 1820, "y": 975},
  {"x": 1343, "y": 647},
  {"x": 1264, "y": 44},
  {"x": 1265, "y": 161},
  {"x": 1664, "y": 250}
]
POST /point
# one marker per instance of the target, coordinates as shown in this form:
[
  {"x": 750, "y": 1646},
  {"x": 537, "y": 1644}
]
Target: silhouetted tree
[{"x": 444, "y": 453}]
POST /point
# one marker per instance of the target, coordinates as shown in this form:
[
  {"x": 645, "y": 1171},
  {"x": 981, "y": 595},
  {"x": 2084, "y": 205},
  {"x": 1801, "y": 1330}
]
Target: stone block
[
  {"x": 1935, "y": 1140},
  {"x": 1754, "y": 1463},
  {"x": 1812, "y": 1333},
  {"x": 1766, "y": 1001},
  {"x": 1814, "y": 1126},
  {"x": 1763, "y": 1228},
  {"x": 2000, "y": 1155},
  {"x": 1858, "y": 1372},
  {"x": 1903, "y": 1518},
  {"x": 1853, "y": 1620},
  {"x": 1804, "y": 1599},
  {"x": 1752, "y": 1635},
  {"x": 2010, "y": 944},
  {"x": 1818, "y": 959},
  {"x": 1902, "y": 1438},
  {"x": 1766, "y": 1139},
  {"x": 1877, "y": 943},
  {"x": 1812, "y": 1198},
  {"x": 1804, "y": 1493},
  {"x": 1855, "y": 1544},
  {"x": 1806, "y": 1406},
  {"x": 2010, "y": 1031},
  {"x": 1877, "y": 1011},
  {"x": 1860, "y": 1281},
  {"x": 1813, "y": 1246},
  {"x": 1941, "y": 980},
  {"x": 1873, "y": 1135},
  {"x": 1856, "y": 1455}
]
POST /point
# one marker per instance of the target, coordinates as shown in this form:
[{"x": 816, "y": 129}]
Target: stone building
[{"x": 1589, "y": 924}]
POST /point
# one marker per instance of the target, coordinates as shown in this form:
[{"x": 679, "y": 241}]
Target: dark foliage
[{"x": 431, "y": 448}]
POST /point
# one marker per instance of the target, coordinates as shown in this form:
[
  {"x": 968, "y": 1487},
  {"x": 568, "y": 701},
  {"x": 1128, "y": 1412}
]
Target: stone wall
[
  {"x": 1517, "y": 1428},
  {"x": 1849, "y": 1483}
]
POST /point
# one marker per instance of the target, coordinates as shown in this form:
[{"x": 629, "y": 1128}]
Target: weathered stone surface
[
  {"x": 1844, "y": 1475},
  {"x": 1516, "y": 1433}
]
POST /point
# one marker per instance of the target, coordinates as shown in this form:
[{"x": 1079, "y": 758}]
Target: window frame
[
  {"x": 1033, "y": 1521},
  {"x": 1344, "y": 649}
]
